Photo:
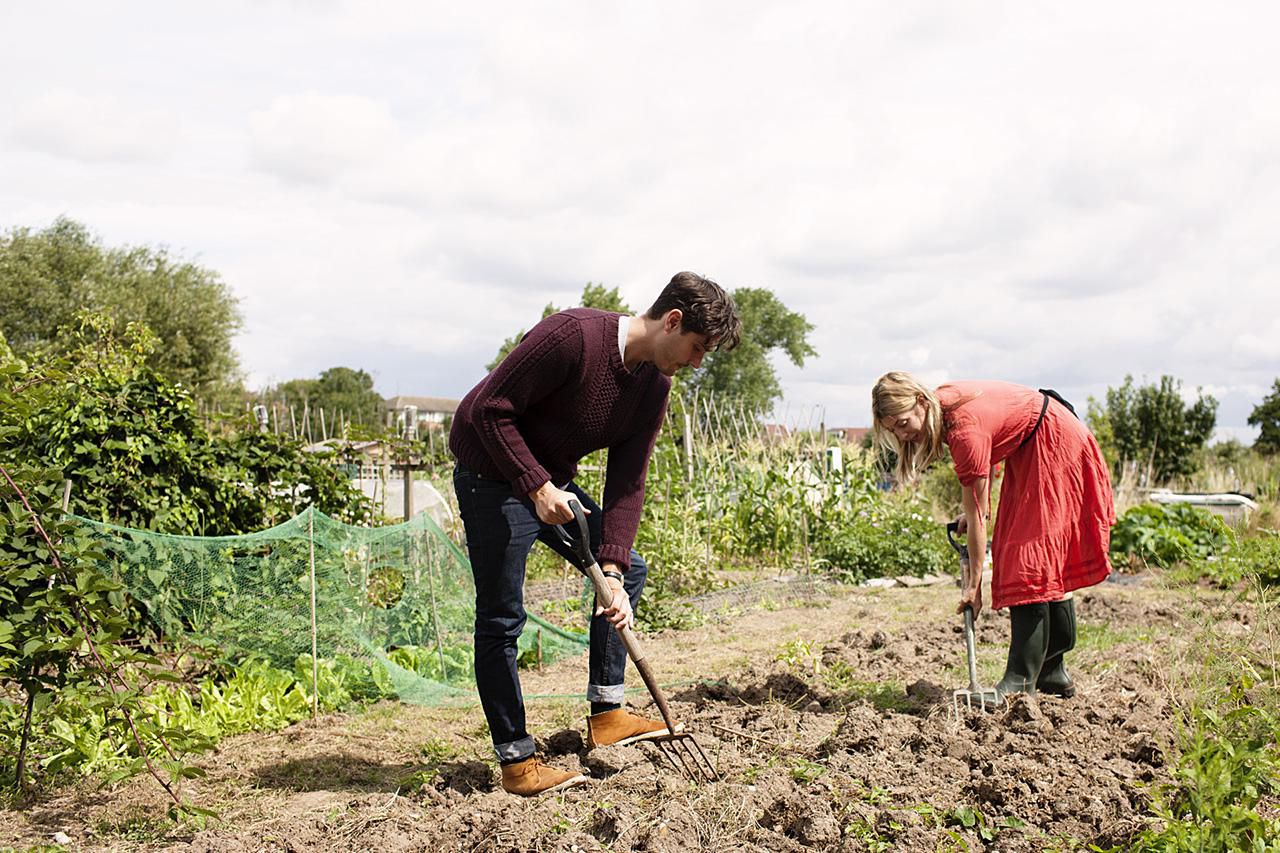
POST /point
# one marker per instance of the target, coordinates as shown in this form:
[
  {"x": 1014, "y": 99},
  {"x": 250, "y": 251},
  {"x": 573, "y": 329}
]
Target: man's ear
[{"x": 671, "y": 320}]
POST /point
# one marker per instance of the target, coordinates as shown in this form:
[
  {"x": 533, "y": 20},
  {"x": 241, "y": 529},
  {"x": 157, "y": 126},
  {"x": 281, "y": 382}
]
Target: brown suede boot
[
  {"x": 531, "y": 777},
  {"x": 619, "y": 728}
]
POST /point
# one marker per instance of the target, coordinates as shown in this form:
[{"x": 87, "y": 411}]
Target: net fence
[{"x": 371, "y": 612}]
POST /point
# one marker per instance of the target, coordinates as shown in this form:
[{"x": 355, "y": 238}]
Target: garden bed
[{"x": 831, "y": 725}]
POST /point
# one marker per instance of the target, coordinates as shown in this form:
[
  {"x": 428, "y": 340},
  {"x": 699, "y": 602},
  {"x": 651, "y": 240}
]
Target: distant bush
[
  {"x": 886, "y": 539},
  {"x": 1161, "y": 535}
]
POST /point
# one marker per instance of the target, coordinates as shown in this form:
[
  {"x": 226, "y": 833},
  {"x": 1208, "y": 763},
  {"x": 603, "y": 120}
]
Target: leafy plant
[
  {"x": 1161, "y": 535},
  {"x": 887, "y": 538},
  {"x": 61, "y": 626},
  {"x": 987, "y": 828}
]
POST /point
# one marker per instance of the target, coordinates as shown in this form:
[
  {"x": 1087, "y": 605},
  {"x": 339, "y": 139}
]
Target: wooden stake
[{"x": 315, "y": 661}]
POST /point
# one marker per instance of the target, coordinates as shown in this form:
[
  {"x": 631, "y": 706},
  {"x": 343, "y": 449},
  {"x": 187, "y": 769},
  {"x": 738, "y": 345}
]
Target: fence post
[
  {"x": 688, "y": 446},
  {"x": 315, "y": 661}
]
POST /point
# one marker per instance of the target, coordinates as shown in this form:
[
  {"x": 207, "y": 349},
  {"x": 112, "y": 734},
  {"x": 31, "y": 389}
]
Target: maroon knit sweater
[{"x": 562, "y": 393}]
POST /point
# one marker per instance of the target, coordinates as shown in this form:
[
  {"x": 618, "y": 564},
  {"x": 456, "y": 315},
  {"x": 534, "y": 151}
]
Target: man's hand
[
  {"x": 619, "y": 610},
  {"x": 552, "y": 504}
]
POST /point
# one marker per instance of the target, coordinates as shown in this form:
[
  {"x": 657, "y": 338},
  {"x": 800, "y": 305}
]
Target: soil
[{"x": 831, "y": 723}]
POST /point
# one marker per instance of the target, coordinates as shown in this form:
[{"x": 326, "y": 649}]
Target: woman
[{"x": 1054, "y": 527}]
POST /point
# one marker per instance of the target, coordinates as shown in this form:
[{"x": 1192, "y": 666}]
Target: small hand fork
[
  {"x": 680, "y": 749},
  {"x": 981, "y": 697}
]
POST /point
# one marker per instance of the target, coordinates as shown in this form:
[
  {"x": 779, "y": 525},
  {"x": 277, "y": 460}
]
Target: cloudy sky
[{"x": 1051, "y": 193}]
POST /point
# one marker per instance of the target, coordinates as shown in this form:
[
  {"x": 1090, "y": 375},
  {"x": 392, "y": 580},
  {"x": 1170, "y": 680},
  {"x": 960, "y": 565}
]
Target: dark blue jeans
[{"x": 501, "y": 528}]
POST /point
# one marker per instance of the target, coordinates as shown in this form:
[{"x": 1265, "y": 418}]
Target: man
[{"x": 579, "y": 381}]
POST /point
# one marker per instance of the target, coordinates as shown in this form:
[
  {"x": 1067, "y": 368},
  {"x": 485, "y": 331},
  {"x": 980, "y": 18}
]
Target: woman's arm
[{"x": 976, "y": 496}]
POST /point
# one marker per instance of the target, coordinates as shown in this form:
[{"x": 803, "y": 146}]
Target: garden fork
[
  {"x": 679, "y": 748},
  {"x": 981, "y": 697}
]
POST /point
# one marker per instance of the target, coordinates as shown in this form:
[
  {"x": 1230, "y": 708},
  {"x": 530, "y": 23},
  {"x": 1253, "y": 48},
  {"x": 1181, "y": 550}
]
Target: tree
[
  {"x": 1267, "y": 416},
  {"x": 47, "y": 276},
  {"x": 593, "y": 296},
  {"x": 342, "y": 391},
  {"x": 745, "y": 376},
  {"x": 1152, "y": 426}
]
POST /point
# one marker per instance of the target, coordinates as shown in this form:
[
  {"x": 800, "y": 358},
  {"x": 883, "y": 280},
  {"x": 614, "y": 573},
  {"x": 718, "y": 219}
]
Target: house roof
[
  {"x": 851, "y": 435},
  {"x": 425, "y": 404}
]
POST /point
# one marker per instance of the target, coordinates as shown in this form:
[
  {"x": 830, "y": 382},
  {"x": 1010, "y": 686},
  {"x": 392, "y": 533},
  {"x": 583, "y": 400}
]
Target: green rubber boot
[
  {"x": 1062, "y": 639},
  {"x": 1027, "y": 648}
]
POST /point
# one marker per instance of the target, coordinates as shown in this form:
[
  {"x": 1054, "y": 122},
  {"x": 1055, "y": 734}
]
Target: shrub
[
  {"x": 887, "y": 539},
  {"x": 1161, "y": 535}
]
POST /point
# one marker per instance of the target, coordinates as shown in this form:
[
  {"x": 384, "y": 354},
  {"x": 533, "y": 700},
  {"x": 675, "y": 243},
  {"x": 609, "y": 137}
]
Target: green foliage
[
  {"x": 1266, "y": 416},
  {"x": 1151, "y": 426},
  {"x": 47, "y": 276},
  {"x": 339, "y": 390},
  {"x": 61, "y": 627},
  {"x": 593, "y": 296},
  {"x": 744, "y": 376},
  {"x": 887, "y": 538},
  {"x": 1228, "y": 766},
  {"x": 1244, "y": 558},
  {"x": 987, "y": 829},
  {"x": 139, "y": 455},
  {"x": 1164, "y": 534}
]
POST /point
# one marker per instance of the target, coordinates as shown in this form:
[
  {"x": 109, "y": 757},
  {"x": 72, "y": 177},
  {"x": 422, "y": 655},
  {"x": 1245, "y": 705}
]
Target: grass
[
  {"x": 135, "y": 824},
  {"x": 1098, "y": 637}
]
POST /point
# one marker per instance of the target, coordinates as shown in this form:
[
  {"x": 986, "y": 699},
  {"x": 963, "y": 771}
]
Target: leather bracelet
[{"x": 612, "y": 574}]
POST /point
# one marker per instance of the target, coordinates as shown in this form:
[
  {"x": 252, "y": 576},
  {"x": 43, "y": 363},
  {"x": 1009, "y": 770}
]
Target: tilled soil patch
[{"x": 852, "y": 746}]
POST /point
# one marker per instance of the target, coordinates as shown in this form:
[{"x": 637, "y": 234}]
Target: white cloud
[
  {"x": 94, "y": 128},
  {"x": 1058, "y": 195},
  {"x": 314, "y": 138}
]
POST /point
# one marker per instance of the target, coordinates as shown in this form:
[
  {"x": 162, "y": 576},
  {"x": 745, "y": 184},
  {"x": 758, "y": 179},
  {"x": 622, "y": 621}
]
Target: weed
[
  {"x": 751, "y": 773},
  {"x": 805, "y": 771},
  {"x": 561, "y": 825},
  {"x": 864, "y": 832},
  {"x": 438, "y": 751},
  {"x": 1223, "y": 785},
  {"x": 800, "y": 655},
  {"x": 987, "y": 828}
]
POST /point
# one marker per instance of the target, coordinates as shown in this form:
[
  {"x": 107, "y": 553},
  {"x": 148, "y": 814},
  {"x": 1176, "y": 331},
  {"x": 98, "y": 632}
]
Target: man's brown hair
[{"x": 705, "y": 308}]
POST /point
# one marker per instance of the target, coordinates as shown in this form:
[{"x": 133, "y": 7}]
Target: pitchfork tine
[{"x": 697, "y": 768}]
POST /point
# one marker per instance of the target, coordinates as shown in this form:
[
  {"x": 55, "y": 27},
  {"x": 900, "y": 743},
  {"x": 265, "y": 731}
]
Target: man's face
[{"x": 681, "y": 349}]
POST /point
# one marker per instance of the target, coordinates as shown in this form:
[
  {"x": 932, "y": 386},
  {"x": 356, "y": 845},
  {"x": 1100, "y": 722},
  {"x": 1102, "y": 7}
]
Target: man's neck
[{"x": 640, "y": 337}]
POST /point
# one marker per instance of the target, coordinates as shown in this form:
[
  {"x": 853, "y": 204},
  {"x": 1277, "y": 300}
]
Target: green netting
[{"x": 394, "y": 607}]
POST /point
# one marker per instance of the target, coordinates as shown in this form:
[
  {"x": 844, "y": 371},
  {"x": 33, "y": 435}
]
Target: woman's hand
[
  {"x": 619, "y": 610},
  {"x": 971, "y": 597}
]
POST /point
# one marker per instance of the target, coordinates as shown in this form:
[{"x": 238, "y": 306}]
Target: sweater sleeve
[
  {"x": 624, "y": 482},
  {"x": 539, "y": 364},
  {"x": 971, "y": 453}
]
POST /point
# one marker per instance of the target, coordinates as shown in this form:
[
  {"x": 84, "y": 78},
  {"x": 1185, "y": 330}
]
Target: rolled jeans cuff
[
  {"x": 611, "y": 693},
  {"x": 516, "y": 750}
]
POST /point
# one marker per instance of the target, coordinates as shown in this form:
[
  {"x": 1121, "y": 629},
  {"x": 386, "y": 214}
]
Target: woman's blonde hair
[{"x": 894, "y": 393}]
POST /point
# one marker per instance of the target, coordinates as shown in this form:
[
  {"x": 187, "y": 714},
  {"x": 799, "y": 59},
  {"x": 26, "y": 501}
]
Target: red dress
[{"x": 1053, "y": 523}]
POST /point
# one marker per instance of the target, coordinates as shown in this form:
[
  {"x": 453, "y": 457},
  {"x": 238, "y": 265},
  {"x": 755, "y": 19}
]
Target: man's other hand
[
  {"x": 552, "y": 504},
  {"x": 619, "y": 610}
]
